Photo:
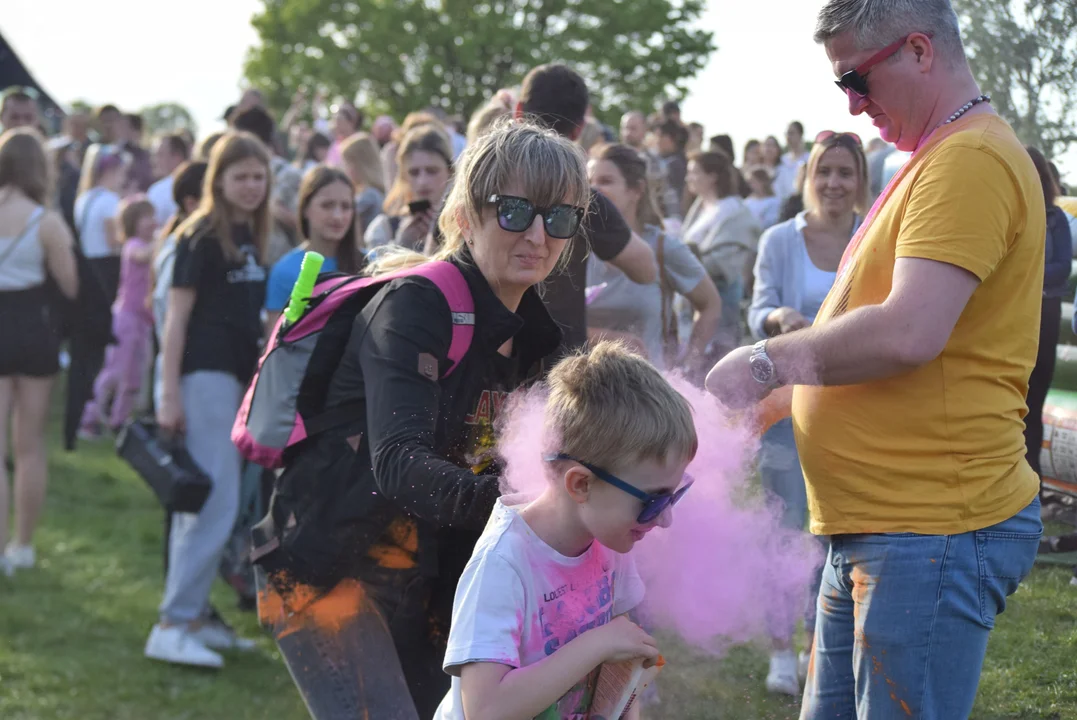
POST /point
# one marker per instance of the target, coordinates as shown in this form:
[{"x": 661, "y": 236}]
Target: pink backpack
[{"x": 285, "y": 401}]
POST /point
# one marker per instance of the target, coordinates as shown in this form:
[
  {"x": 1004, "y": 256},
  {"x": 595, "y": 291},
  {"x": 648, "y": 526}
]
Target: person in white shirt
[
  {"x": 543, "y": 601},
  {"x": 169, "y": 152},
  {"x": 797, "y": 153}
]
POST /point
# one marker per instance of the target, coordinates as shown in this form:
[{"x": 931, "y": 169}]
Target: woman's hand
[
  {"x": 414, "y": 229},
  {"x": 170, "y": 417}
]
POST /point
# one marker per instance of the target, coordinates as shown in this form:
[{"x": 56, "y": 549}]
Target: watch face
[{"x": 762, "y": 370}]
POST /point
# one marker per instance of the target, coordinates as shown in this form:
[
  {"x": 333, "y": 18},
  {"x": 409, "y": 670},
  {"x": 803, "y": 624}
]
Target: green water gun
[{"x": 304, "y": 285}]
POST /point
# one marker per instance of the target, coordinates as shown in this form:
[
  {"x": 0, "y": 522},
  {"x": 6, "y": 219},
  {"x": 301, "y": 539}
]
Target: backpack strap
[{"x": 453, "y": 285}]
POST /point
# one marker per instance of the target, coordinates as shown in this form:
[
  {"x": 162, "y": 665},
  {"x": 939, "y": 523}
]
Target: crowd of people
[{"x": 594, "y": 257}]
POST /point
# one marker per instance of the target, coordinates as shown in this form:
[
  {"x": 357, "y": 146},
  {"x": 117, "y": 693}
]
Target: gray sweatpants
[{"x": 210, "y": 403}]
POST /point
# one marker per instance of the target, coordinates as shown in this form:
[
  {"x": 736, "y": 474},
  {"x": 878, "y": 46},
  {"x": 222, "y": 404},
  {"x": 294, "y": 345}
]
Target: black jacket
[{"x": 419, "y": 447}]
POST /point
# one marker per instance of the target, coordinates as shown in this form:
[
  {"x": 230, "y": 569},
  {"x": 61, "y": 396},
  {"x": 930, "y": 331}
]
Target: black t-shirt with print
[
  {"x": 605, "y": 233},
  {"x": 225, "y": 326}
]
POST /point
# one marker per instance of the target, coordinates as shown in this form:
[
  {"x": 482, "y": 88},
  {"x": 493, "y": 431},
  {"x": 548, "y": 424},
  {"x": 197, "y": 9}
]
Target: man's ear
[
  {"x": 924, "y": 51},
  {"x": 578, "y": 483}
]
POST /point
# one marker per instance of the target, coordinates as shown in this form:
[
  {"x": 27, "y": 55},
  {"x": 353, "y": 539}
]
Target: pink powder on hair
[{"x": 725, "y": 571}]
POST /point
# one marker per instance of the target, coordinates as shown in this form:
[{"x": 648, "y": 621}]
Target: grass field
[{"x": 72, "y": 631}]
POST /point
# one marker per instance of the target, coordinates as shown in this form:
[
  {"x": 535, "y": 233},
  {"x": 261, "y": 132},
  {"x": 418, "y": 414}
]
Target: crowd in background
[{"x": 746, "y": 246}]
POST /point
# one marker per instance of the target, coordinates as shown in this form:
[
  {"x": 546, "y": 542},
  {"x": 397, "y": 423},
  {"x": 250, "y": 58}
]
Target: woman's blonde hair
[
  {"x": 611, "y": 408},
  {"x": 24, "y": 164},
  {"x": 363, "y": 161},
  {"x": 540, "y": 164},
  {"x": 483, "y": 119},
  {"x": 426, "y": 138},
  {"x": 213, "y": 211},
  {"x": 852, "y": 144}
]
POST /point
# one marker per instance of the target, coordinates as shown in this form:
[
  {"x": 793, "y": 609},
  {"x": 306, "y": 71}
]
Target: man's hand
[{"x": 732, "y": 383}]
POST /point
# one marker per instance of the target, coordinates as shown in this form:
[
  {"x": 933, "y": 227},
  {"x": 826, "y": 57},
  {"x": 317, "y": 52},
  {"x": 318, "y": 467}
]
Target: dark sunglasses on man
[
  {"x": 515, "y": 214},
  {"x": 654, "y": 504},
  {"x": 855, "y": 82}
]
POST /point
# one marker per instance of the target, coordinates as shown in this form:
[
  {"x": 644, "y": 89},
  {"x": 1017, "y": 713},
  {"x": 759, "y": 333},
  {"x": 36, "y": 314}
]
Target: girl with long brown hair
[
  {"x": 210, "y": 349},
  {"x": 34, "y": 245},
  {"x": 327, "y": 226}
]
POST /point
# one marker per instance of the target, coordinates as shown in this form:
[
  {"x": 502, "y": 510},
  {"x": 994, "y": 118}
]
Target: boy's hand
[{"x": 621, "y": 639}]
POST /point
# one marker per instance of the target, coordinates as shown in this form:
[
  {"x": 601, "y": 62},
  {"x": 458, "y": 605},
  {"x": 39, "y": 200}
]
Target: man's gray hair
[{"x": 877, "y": 23}]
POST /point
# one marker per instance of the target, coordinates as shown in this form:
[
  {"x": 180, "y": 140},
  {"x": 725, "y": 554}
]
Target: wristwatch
[{"x": 761, "y": 366}]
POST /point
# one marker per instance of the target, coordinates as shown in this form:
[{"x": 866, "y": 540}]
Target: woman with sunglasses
[
  {"x": 797, "y": 264},
  {"x": 373, "y": 520}
]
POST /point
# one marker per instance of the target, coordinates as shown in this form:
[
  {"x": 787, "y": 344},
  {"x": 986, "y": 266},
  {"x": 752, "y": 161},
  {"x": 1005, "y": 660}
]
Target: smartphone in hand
[{"x": 419, "y": 206}]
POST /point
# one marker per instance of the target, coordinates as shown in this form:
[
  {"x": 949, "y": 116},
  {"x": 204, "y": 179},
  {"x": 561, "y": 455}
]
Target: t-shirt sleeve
[
  {"x": 963, "y": 210},
  {"x": 191, "y": 263},
  {"x": 628, "y": 588},
  {"x": 683, "y": 268},
  {"x": 607, "y": 231},
  {"x": 486, "y": 616},
  {"x": 281, "y": 279}
]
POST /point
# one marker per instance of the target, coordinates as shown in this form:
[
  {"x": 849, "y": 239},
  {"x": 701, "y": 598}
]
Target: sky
[{"x": 765, "y": 73}]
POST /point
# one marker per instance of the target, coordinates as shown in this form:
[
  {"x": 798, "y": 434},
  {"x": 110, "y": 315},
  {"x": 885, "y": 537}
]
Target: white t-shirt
[
  {"x": 519, "y": 600},
  {"x": 92, "y": 209},
  {"x": 160, "y": 196},
  {"x": 767, "y": 210}
]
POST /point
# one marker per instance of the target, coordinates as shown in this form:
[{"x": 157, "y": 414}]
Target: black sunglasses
[
  {"x": 516, "y": 214},
  {"x": 855, "y": 82},
  {"x": 654, "y": 504}
]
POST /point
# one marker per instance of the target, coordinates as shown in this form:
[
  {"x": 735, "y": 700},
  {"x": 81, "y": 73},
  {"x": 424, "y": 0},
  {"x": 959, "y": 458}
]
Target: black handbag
[{"x": 165, "y": 465}]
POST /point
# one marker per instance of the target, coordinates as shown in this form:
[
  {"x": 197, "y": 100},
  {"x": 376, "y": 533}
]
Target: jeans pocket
[{"x": 1005, "y": 560}]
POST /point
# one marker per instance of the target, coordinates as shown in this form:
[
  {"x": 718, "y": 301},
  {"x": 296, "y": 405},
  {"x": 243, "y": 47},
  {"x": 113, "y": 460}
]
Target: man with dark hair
[
  {"x": 556, "y": 96},
  {"x": 169, "y": 152},
  {"x": 671, "y": 110},
  {"x": 19, "y": 109},
  {"x": 672, "y": 138},
  {"x": 108, "y": 125},
  {"x": 140, "y": 173},
  {"x": 286, "y": 179}
]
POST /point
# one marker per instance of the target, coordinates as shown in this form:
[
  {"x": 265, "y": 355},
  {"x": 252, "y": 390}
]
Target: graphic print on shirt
[
  {"x": 251, "y": 271},
  {"x": 481, "y": 437},
  {"x": 564, "y": 613}
]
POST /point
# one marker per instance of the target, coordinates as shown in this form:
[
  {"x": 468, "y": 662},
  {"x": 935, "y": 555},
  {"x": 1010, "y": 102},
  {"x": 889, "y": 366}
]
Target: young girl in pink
[{"x": 132, "y": 322}]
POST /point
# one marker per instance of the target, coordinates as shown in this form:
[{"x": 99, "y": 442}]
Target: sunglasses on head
[
  {"x": 654, "y": 504},
  {"x": 515, "y": 214},
  {"x": 828, "y": 134},
  {"x": 855, "y": 82}
]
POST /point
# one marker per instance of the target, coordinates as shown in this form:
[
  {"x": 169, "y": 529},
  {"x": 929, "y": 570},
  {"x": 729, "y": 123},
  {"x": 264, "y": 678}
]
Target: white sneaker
[
  {"x": 782, "y": 677},
  {"x": 20, "y": 557},
  {"x": 803, "y": 663},
  {"x": 218, "y": 636},
  {"x": 176, "y": 645}
]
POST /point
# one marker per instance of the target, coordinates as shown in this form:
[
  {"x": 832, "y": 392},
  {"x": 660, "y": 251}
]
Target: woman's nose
[{"x": 536, "y": 232}]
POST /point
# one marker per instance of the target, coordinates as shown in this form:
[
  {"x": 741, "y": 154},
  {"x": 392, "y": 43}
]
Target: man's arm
[{"x": 908, "y": 330}]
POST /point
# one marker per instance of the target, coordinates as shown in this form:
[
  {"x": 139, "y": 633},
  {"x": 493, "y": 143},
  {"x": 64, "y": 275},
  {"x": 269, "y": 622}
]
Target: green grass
[{"x": 72, "y": 631}]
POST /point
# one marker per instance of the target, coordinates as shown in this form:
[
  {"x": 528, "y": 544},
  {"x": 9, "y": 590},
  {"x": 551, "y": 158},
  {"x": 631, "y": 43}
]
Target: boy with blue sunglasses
[{"x": 542, "y": 603}]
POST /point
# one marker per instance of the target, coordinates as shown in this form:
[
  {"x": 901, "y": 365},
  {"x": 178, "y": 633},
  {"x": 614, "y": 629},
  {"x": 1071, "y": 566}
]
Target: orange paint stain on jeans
[
  {"x": 398, "y": 547},
  {"x": 300, "y": 607},
  {"x": 861, "y": 583},
  {"x": 905, "y": 707}
]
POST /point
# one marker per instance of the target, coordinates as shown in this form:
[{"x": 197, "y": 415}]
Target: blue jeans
[{"x": 903, "y": 619}]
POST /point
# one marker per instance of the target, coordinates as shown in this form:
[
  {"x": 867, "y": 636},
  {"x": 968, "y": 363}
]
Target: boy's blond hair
[{"x": 612, "y": 408}]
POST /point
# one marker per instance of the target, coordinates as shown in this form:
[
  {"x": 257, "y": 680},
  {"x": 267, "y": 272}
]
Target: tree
[
  {"x": 166, "y": 118},
  {"x": 1024, "y": 52},
  {"x": 403, "y": 55}
]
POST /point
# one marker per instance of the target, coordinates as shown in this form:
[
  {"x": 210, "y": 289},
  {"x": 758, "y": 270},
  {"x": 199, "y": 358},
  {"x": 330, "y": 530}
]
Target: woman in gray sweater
[{"x": 795, "y": 269}]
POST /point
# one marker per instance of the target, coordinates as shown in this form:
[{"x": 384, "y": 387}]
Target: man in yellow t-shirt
[{"x": 910, "y": 386}]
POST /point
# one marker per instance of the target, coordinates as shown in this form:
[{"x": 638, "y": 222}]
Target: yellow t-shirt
[
  {"x": 1069, "y": 204},
  {"x": 939, "y": 450}
]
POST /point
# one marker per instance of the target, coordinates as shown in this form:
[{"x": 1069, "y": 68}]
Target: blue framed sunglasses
[{"x": 654, "y": 504}]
